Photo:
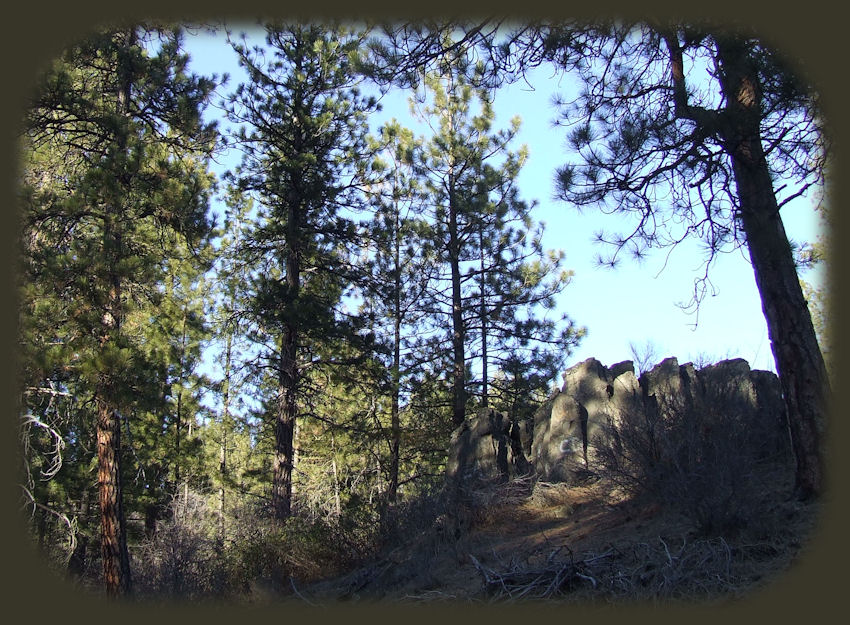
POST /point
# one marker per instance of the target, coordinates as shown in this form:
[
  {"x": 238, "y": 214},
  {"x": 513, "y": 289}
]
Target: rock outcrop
[
  {"x": 592, "y": 398},
  {"x": 486, "y": 447},
  {"x": 568, "y": 429}
]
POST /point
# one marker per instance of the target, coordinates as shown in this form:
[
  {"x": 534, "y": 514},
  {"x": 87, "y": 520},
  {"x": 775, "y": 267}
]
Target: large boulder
[
  {"x": 740, "y": 397},
  {"x": 669, "y": 388},
  {"x": 557, "y": 446},
  {"x": 486, "y": 447}
]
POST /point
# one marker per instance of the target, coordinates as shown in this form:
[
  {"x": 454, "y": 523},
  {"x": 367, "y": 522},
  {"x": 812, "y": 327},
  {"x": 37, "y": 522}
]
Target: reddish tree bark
[
  {"x": 116, "y": 561},
  {"x": 799, "y": 361}
]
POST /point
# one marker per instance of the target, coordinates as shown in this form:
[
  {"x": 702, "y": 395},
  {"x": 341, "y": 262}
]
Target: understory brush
[
  {"x": 713, "y": 462},
  {"x": 187, "y": 559}
]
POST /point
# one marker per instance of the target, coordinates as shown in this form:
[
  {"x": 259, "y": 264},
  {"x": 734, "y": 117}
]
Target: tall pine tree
[
  {"x": 496, "y": 278},
  {"x": 303, "y": 143},
  {"x": 121, "y": 119},
  {"x": 401, "y": 260}
]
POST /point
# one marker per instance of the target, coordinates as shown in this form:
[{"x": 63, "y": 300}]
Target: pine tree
[
  {"x": 401, "y": 260},
  {"x": 498, "y": 276},
  {"x": 304, "y": 141},
  {"x": 236, "y": 437},
  {"x": 728, "y": 151},
  {"x": 697, "y": 132},
  {"x": 450, "y": 159},
  {"x": 120, "y": 118},
  {"x": 231, "y": 301},
  {"x": 173, "y": 332},
  {"x": 515, "y": 281}
]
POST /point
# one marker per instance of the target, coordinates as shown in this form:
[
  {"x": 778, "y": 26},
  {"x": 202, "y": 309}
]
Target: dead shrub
[
  {"x": 180, "y": 559},
  {"x": 671, "y": 569},
  {"x": 550, "y": 494},
  {"x": 714, "y": 461},
  {"x": 299, "y": 550}
]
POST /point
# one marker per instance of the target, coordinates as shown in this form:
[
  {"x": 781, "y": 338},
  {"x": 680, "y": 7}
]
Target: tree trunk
[
  {"x": 799, "y": 361},
  {"x": 186, "y": 482},
  {"x": 296, "y": 428},
  {"x": 395, "y": 422},
  {"x": 151, "y": 517},
  {"x": 115, "y": 558},
  {"x": 178, "y": 425},
  {"x": 285, "y": 430},
  {"x": 225, "y": 424},
  {"x": 287, "y": 409},
  {"x": 222, "y": 470},
  {"x": 483, "y": 314},
  {"x": 337, "y": 502},
  {"x": 395, "y": 445},
  {"x": 113, "y": 534},
  {"x": 458, "y": 364},
  {"x": 116, "y": 561}
]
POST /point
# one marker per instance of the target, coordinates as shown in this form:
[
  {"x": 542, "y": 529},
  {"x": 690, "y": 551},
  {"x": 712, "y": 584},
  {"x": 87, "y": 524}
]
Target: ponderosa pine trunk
[
  {"x": 113, "y": 532},
  {"x": 287, "y": 409},
  {"x": 395, "y": 420},
  {"x": 395, "y": 438},
  {"x": 225, "y": 423},
  {"x": 458, "y": 330},
  {"x": 113, "y": 537},
  {"x": 284, "y": 432},
  {"x": 485, "y": 382},
  {"x": 178, "y": 420},
  {"x": 799, "y": 361}
]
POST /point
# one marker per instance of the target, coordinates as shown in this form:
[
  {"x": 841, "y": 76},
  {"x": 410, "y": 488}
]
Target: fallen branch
[
  {"x": 300, "y": 596},
  {"x": 58, "y": 444},
  {"x": 70, "y": 523},
  {"x": 553, "y": 579},
  {"x": 640, "y": 570}
]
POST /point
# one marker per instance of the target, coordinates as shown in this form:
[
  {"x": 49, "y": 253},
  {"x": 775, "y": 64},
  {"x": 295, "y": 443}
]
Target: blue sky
[{"x": 635, "y": 303}]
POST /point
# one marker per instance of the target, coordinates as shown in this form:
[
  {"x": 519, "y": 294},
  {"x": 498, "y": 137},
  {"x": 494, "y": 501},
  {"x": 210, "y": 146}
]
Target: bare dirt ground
[{"x": 578, "y": 543}]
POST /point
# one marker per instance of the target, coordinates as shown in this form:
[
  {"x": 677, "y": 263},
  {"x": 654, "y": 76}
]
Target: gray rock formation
[
  {"x": 669, "y": 388},
  {"x": 558, "y": 439},
  {"x": 572, "y": 425},
  {"x": 578, "y": 419},
  {"x": 752, "y": 398},
  {"x": 486, "y": 447},
  {"x": 592, "y": 398}
]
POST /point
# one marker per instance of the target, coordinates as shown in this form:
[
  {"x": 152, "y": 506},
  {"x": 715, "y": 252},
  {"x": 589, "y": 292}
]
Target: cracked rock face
[
  {"x": 561, "y": 442},
  {"x": 594, "y": 397},
  {"x": 488, "y": 446}
]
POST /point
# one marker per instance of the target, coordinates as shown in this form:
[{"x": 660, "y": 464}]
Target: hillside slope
[{"x": 520, "y": 541}]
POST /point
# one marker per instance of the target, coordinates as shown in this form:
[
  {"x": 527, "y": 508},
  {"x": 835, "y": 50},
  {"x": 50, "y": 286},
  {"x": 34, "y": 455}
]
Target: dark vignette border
[{"x": 812, "y": 33}]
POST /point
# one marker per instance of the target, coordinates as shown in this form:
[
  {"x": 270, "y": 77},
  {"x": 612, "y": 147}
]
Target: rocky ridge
[{"x": 561, "y": 442}]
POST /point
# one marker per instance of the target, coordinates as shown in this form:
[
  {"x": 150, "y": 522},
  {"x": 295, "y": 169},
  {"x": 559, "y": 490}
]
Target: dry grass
[
  {"x": 590, "y": 542},
  {"x": 539, "y": 541}
]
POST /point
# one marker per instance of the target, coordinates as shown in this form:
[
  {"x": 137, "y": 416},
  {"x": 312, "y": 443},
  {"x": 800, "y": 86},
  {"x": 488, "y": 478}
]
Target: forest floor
[{"x": 524, "y": 541}]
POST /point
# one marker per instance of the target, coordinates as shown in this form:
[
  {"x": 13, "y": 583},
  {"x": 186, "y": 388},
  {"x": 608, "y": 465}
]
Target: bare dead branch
[{"x": 55, "y": 454}]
